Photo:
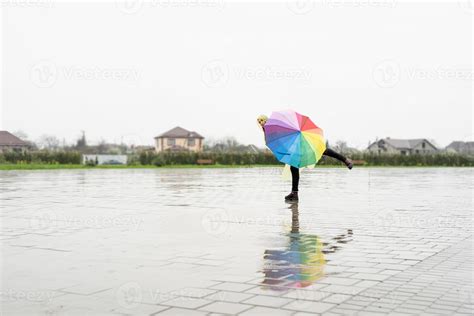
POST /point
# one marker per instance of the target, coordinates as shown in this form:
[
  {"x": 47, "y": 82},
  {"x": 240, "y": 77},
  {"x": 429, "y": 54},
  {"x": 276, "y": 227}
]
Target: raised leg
[{"x": 331, "y": 153}]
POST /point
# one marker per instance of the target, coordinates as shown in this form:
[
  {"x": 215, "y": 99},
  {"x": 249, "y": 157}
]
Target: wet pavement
[{"x": 222, "y": 241}]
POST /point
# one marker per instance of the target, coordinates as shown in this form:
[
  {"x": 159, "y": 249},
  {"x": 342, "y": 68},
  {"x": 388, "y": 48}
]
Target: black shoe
[
  {"x": 293, "y": 196},
  {"x": 349, "y": 163}
]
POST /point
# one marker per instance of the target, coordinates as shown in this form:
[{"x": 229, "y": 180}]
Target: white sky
[{"x": 360, "y": 69}]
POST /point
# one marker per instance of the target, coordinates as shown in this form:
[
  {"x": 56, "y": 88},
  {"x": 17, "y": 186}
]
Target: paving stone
[
  {"x": 366, "y": 283},
  {"x": 370, "y": 276},
  {"x": 227, "y": 296},
  {"x": 267, "y": 291},
  {"x": 304, "y": 306},
  {"x": 306, "y": 295},
  {"x": 236, "y": 244},
  {"x": 339, "y": 281},
  {"x": 269, "y": 301},
  {"x": 225, "y": 308},
  {"x": 337, "y": 298},
  {"x": 180, "y": 311},
  {"x": 236, "y": 287},
  {"x": 342, "y": 289},
  {"x": 258, "y": 310},
  {"x": 192, "y": 292},
  {"x": 186, "y": 302}
]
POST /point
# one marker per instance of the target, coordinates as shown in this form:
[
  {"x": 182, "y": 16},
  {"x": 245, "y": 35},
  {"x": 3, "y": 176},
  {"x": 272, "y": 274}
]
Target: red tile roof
[
  {"x": 8, "y": 139},
  {"x": 179, "y": 132}
]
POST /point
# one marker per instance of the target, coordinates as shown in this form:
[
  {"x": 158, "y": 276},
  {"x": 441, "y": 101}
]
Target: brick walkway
[{"x": 202, "y": 242}]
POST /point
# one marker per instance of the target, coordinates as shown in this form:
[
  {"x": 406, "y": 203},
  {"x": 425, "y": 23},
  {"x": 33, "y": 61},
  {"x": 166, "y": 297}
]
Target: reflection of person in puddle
[
  {"x": 295, "y": 172},
  {"x": 302, "y": 262}
]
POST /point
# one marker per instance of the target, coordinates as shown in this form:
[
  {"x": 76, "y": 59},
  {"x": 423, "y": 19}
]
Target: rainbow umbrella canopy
[{"x": 294, "y": 139}]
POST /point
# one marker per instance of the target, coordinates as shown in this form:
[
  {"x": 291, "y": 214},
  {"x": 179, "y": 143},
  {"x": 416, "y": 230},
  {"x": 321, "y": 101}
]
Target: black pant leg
[
  {"x": 295, "y": 177},
  {"x": 331, "y": 153}
]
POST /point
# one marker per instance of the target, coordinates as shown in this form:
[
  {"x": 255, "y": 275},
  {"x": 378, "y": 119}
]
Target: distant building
[
  {"x": 105, "y": 159},
  {"x": 465, "y": 148},
  {"x": 9, "y": 142},
  {"x": 402, "y": 146},
  {"x": 141, "y": 148},
  {"x": 179, "y": 139}
]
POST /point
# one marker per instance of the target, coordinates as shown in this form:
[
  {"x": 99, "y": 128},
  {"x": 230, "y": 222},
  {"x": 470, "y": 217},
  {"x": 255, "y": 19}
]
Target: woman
[{"x": 295, "y": 172}]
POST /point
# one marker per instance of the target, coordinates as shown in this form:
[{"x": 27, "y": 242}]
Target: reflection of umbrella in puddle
[{"x": 300, "y": 264}]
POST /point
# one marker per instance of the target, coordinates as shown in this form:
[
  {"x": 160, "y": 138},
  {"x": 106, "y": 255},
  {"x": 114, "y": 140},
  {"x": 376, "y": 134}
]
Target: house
[
  {"x": 465, "y": 148},
  {"x": 179, "y": 139},
  {"x": 402, "y": 146},
  {"x": 9, "y": 142},
  {"x": 104, "y": 159}
]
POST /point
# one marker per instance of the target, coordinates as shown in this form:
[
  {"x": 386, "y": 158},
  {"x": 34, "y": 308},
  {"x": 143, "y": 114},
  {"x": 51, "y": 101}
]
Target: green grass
[{"x": 38, "y": 166}]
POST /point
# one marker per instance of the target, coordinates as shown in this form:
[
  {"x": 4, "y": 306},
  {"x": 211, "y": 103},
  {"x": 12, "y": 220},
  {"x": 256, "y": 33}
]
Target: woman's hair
[{"x": 262, "y": 119}]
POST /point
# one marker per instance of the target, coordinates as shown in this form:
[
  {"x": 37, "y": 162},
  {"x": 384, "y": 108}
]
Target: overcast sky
[{"x": 360, "y": 69}]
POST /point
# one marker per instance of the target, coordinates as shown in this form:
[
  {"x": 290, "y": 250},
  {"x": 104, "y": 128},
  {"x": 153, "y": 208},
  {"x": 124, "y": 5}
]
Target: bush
[
  {"x": 44, "y": 156},
  {"x": 262, "y": 158}
]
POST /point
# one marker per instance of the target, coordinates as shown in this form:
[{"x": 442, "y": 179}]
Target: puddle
[{"x": 301, "y": 263}]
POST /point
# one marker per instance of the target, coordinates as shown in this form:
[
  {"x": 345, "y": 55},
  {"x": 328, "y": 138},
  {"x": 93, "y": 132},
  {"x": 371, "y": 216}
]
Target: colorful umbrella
[{"x": 294, "y": 139}]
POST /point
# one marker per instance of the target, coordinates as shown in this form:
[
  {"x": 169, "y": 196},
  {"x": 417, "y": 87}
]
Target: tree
[
  {"x": 81, "y": 142},
  {"x": 21, "y": 135},
  {"x": 341, "y": 146},
  {"x": 49, "y": 142}
]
